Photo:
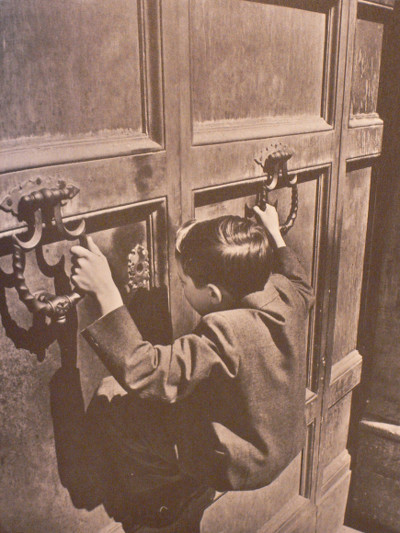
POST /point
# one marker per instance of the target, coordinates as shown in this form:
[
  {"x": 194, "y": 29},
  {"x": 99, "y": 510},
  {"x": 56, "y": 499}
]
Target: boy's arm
[
  {"x": 165, "y": 372},
  {"x": 285, "y": 260},
  {"x": 287, "y": 264}
]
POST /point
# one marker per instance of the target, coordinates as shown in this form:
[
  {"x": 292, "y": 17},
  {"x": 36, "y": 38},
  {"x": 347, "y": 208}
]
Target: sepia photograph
[{"x": 199, "y": 266}]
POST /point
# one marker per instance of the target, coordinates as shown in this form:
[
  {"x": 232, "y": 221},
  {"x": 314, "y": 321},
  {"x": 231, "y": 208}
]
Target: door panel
[
  {"x": 84, "y": 104},
  {"x": 366, "y": 62},
  {"x": 246, "y": 82},
  {"x": 257, "y": 76},
  {"x": 356, "y": 188},
  {"x": 64, "y": 92}
]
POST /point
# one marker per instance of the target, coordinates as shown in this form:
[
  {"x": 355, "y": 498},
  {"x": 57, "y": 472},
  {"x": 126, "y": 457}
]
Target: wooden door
[
  {"x": 157, "y": 111},
  {"x": 87, "y": 96},
  {"x": 261, "y": 74}
]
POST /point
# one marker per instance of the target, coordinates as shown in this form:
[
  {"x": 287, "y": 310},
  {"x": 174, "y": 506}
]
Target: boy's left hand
[{"x": 91, "y": 273}]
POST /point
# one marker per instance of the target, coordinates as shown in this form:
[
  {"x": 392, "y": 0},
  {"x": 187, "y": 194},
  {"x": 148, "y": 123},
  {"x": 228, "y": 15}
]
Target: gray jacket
[{"x": 236, "y": 385}]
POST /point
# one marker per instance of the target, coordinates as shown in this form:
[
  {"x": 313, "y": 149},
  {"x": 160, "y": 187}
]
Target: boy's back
[
  {"x": 236, "y": 385},
  {"x": 243, "y": 425}
]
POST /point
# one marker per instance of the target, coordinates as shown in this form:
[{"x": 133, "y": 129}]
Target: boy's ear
[{"x": 214, "y": 293}]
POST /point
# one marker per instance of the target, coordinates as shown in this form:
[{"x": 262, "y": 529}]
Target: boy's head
[{"x": 221, "y": 260}]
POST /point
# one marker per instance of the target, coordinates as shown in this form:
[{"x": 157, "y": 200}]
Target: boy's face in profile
[{"x": 197, "y": 297}]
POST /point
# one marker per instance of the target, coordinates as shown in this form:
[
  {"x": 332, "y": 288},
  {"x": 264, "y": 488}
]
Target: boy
[{"x": 224, "y": 405}]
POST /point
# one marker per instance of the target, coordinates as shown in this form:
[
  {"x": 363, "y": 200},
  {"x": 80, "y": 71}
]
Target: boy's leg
[
  {"x": 132, "y": 433},
  {"x": 143, "y": 474}
]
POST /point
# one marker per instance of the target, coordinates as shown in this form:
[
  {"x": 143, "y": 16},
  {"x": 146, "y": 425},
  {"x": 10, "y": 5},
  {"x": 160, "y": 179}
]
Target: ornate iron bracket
[
  {"x": 34, "y": 206},
  {"x": 275, "y": 171}
]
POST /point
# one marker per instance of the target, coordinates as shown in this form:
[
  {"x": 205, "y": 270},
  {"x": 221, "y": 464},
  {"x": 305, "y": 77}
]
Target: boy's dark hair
[{"x": 230, "y": 251}]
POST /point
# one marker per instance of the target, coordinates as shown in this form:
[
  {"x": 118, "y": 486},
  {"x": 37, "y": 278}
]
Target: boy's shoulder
[
  {"x": 245, "y": 311},
  {"x": 276, "y": 296},
  {"x": 228, "y": 321},
  {"x": 231, "y": 330}
]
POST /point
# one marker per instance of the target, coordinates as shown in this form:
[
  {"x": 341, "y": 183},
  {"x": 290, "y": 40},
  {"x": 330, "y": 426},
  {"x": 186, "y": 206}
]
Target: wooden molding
[
  {"x": 340, "y": 368},
  {"x": 385, "y": 4},
  {"x": 383, "y": 429},
  {"x": 114, "y": 527},
  {"x": 40, "y": 152},
  {"x": 294, "y": 517},
  {"x": 345, "y": 375},
  {"x": 319, "y": 266},
  {"x": 220, "y": 131},
  {"x": 308, "y": 460},
  {"x": 331, "y": 505},
  {"x": 247, "y": 129},
  {"x": 364, "y": 142},
  {"x": 365, "y": 120},
  {"x": 311, "y": 405}
]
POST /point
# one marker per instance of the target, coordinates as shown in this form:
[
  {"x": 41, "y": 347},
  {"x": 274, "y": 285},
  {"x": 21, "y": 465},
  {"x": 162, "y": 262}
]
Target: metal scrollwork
[
  {"x": 31, "y": 205},
  {"x": 138, "y": 268},
  {"x": 275, "y": 171}
]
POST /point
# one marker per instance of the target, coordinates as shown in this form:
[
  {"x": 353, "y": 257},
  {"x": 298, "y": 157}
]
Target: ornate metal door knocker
[
  {"x": 38, "y": 207},
  {"x": 275, "y": 171}
]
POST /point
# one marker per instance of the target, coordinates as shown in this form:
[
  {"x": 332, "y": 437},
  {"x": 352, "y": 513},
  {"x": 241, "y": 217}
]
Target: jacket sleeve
[
  {"x": 287, "y": 264},
  {"x": 156, "y": 371}
]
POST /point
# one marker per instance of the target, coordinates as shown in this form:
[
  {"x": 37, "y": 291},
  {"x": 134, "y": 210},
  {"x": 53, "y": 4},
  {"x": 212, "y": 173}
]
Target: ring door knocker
[
  {"x": 275, "y": 171},
  {"x": 31, "y": 205}
]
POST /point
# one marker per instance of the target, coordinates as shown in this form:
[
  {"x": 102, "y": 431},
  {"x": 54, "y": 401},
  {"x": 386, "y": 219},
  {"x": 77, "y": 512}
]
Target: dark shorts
[{"x": 132, "y": 436}]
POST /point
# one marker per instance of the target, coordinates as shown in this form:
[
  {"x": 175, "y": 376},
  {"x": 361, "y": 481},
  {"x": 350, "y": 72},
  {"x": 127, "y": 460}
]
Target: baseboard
[
  {"x": 331, "y": 507},
  {"x": 114, "y": 527},
  {"x": 335, "y": 471},
  {"x": 297, "y": 516}
]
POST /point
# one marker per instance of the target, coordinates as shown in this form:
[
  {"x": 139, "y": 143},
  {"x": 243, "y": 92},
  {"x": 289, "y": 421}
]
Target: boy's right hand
[
  {"x": 270, "y": 220},
  {"x": 91, "y": 273}
]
